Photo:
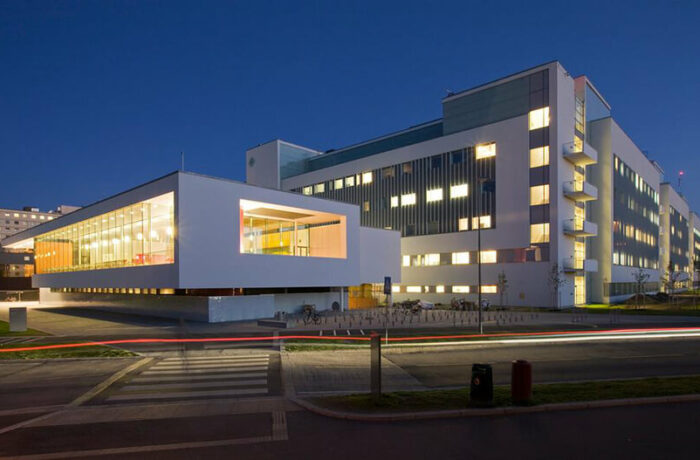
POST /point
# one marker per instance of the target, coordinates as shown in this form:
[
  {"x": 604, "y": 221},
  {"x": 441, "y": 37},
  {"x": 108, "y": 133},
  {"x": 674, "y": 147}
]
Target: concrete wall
[{"x": 378, "y": 248}]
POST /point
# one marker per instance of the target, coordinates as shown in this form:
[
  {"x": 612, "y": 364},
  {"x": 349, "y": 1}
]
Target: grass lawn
[
  {"x": 5, "y": 331},
  {"x": 96, "y": 351},
  {"x": 404, "y": 401}
]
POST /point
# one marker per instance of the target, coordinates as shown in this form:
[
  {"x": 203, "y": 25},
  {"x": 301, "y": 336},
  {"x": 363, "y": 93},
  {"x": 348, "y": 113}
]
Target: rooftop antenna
[
  {"x": 182, "y": 161},
  {"x": 680, "y": 176}
]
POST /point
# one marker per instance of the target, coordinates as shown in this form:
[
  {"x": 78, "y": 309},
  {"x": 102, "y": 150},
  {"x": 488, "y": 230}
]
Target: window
[
  {"x": 485, "y": 222},
  {"x": 388, "y": 172},
  {"x": 307, "y": 191},
  {"x": 489, "y": 289},
  {"x": 350, "y": 181},
  {"x": 539, "y": 233},
  {"x": 367, "y": 177},
  {"x": 436, "y": 162},
  {"x": 463, "y": 224},
  {"x": 539, "y": 195},
  {"x": 539, "y": 156},
  {"x": 407, "y": 168},
  {"x": 395, "y": 288},
  {"x": 433, "y": 195},
  {"x": 338, "y": 184},
  {"x": 459, "y": 191},
  {"x": 460, "y": 289},
  {"x": 408, "y": 199},
  {"x": 414, "y": 289},
  {"x": 440, "y": 289},
  {"x": 406, "y": 261},
  {"x": 488, "y": 257},
  {"x": 365, "y": 206},
  {"x": 460, "y": 258},
  {"x": 539, "y": 118},
  {"x": 432, "y": 259},
  {"x": 394, "y": 201},
  {"x": 485, "y": 150},
  {"x": 320, "y": 188}
]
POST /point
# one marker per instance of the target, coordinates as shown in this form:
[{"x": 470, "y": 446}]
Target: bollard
[
  {"x": 18, "y": 319},
  {"x": 375, "y": 365},
  {"x": 521, "y": 382}
]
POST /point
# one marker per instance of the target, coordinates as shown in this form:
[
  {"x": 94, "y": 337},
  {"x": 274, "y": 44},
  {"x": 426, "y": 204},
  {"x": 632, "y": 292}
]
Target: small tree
[
  {"x": 670, "y": 281},
  {"x": 556, "y": 280},
  {"x": 502, "y": 285},
  {"x": 640, "y": 278}
]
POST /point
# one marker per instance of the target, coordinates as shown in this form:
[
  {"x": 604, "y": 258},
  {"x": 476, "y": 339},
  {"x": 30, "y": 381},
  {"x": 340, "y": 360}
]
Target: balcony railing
[
  {"x": 580, "y": 227},
  {"x": 579, "y": 190},
  {"x": 574, "y": 265},
  {"x": 580, "y": 154}
]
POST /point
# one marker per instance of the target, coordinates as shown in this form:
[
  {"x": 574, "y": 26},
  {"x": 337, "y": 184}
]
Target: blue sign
[{"x": 387, "y": 285}]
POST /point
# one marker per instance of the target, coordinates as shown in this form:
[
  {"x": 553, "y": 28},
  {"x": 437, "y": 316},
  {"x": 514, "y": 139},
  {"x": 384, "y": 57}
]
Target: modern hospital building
[
  {"x": 571, "y": 189},
  {"x": 534, "y": 159}
]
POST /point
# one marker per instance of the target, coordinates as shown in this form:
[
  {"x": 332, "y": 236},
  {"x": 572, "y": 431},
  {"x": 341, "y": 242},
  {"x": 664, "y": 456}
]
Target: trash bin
[
  {"x": 481, "y": 387},
  {"x": 521, "y": 382}
]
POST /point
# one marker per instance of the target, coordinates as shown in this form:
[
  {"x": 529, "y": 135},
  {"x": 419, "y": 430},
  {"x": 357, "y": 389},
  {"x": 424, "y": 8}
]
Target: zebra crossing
[
  {"x": 220, "y": 376},
  {"x": 18, "y": 339}
]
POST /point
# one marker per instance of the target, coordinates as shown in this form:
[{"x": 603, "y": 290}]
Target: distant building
[{"x": 17, "y": 265}]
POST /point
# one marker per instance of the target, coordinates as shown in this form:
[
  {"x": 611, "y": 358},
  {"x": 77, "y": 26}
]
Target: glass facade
[{"x": 139, "y": 234}]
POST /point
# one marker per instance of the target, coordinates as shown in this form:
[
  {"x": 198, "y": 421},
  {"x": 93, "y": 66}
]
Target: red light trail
[{"x": 351, "y": 338}]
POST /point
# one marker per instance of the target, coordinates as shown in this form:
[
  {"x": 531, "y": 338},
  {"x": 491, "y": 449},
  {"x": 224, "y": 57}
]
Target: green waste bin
[{"x": 481, "y": 386}]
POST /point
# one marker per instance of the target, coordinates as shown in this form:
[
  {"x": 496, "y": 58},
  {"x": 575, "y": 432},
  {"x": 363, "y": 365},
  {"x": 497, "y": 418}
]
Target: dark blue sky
[{"x": 99, "y": 96}]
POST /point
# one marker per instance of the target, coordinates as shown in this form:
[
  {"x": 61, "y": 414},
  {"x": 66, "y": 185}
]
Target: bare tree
[
  {"x": 670, "y": 281},
  {"x": 556, "y": 280},
  {"x": 640, "y": 278},
  {"x": 502, "y": 285}
]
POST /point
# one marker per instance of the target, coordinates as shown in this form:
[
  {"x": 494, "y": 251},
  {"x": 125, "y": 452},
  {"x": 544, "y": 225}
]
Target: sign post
[
  {"x": 387, "y": 292},
  {"x": 375, "y": 365}
]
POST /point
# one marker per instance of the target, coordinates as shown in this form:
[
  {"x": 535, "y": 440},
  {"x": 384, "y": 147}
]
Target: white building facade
[
  {"x": 197, "y": 247},
  {"x": 534, "y": 159}
]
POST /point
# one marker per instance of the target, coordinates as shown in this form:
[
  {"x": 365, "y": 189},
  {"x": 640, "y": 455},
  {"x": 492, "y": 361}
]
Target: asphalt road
[
  {"x": 555, "y": 362},
  {"x": 644, "y": 432}
]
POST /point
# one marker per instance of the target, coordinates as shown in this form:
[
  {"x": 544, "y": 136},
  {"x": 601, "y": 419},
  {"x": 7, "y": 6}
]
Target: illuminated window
[
  {"x": 489, "y": 289},
  {"x": 320, "y": 188},
  {"x": 394, "y": 201},
  {"x": 408, "y": 199},
  {"x": 539, "y": 194},
  {"x": 459, "y": 191},
  {"x": 539, "y": 157},
  {"x": 433, "y": 195},
  {"x": 463, "y": 224},
  {"x": 367, "y": 177},
  {"x": 488, "y": 257},
  {"x": 350, "y": 181},
  {"x": 307, "y": 191},
  {"x": 50, "y": 218},
  {"x": 365, "y": 206},
  {"x": 407, "y": 168},
  {"x": 485, "y": 222},
  {"x": 485, "y": 150},
  {"x": 539, "y": 118},
  {"x": 395, "y": 288},
  {"x": 414, "y": 289},
  {"x": 440, "y": 288},
  {"x": 460, "y": 289},
  {"x": 460, "y": 258},
  {"x": 33, "y": 216},
  {"x": 41, "y": 217},
  {"x": 338, "y": 184},
  {"x": 432, "y": 259},
  {"x": 406, "y": 261},
  {"x": 539, "y": 233}
]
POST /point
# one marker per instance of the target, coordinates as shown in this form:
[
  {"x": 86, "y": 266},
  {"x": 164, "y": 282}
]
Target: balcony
[
  {"x": 578, "y": 227},
  {"x": 572, "y": 265},
  {"x": 579, "y": 190},
  {"x": 580, "y": 153}
]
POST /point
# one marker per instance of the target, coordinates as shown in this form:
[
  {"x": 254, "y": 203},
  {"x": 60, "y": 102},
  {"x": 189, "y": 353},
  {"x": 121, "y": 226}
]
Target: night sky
[{"x": 99, "y": 96}]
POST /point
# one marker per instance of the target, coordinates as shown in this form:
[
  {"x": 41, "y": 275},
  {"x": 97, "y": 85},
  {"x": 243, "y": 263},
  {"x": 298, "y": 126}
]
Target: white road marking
[
  {"x": 242, "y": 375},
  {"x": 206, "y": 366},
  {"x": 218, "y": 358},
  {"x": 188, "y": 394},
  {"x": 202, "y": 371},
  {"x": 185, "y": 385}
]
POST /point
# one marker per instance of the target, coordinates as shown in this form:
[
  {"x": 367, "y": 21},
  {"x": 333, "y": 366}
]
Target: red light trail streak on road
[{"x": 352, "y": 338}]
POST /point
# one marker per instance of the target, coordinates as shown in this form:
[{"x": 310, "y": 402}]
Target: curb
[{"x": 511, "y": 410}]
